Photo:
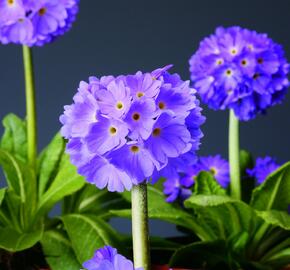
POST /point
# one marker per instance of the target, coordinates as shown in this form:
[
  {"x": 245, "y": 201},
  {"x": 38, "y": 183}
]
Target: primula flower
[
  {"x": 107, "y": 258},
  {"x": 180, "y": 179},
  {"x": 117, "y": 135},
  {"x": 35, "y": 22},
  {"x": 264, "y": 167},
  {"x": 241, "y": 70}
]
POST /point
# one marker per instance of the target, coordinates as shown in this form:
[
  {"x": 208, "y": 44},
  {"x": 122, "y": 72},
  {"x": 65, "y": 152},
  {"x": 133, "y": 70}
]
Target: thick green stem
[
  {"x": 30, "y": 107},
  {"x": 234, "y": 156},
  {"x": 140, "y": 227}
]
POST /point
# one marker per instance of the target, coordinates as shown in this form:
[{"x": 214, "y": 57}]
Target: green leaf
[
  {"x": 274, "y": 192},
  {"x": 2, "y": 194},
  {"x": 58, "y": 251},
  {"x": 88, "y": 233},
  {"x": 246, "y": 161},
  {"x": 49, "y": 162},
  {"x": 14, "y": 139},
  {"x": 93, "y": 200},
  {"x": 276, "y": 218},
  {"x": 248, "y": 183},
  {"x": 21, "y": 180},
  {"x": 214, "y": 210},
  {"x": 205, "y": 184},
  {"x": 66, "y": 182},
  {"x": 158, "y": 208},
  {"x": 13, "y": 241},
  {"x": 13, "y": 172},
  {"x": 199, "y": 254}
]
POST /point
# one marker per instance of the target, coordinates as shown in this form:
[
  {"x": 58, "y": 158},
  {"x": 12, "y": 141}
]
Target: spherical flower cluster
[
  {"x": 107, "y": 258},
  {"x": 123, "y": 129},
  {"x": 35, "y": 22},
  {"x": 264, "y": 167},
  {"x": 180, "y": 179},
  {"x": 241, "y": 70}
]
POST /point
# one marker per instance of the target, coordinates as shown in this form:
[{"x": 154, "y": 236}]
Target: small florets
[{"x": 252, "y": 65}]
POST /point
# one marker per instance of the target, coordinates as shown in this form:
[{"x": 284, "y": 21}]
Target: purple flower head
[
  {"x": 241, "y": 70},
  {"x": 216, "y": 165},
  {"x": 264, "y": 167},
  {"x": 117, "y": 139},
  {"x": 107, "y": 258},
  {"x": 180, "y": 174},
  {"x": 35, "y": 22}
]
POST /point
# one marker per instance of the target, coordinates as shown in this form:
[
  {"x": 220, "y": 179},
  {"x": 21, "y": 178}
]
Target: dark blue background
[{"x": 119, "y": 37}]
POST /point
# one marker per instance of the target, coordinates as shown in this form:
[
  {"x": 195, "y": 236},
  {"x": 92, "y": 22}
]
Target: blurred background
[{"x": 121, "y": 37}]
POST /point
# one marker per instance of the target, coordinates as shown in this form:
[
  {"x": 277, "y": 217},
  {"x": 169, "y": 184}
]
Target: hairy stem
[
  {"x": 30, "y": 107},
  {"x": 140, "y": 227},
  {"x": 234, "y": 156}
]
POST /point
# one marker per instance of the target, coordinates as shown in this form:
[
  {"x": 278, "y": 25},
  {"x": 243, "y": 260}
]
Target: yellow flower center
[
  {"x": 140, "y": 94},
  {"x": 134, "y": 149},
  {"x": 213, "y": 170},
  {"x": 136, "y": 116},
  {"x": 10, "y": 2},
  {"x": 156, "y": 132},
  {"x": 244, "y": 62},
  {"x": 119, "y": 105},
  {"x": 42, "y": 11},
  {"x": 234, "y": 51},
  {"x": 219, "y": 62},
  {"x": 229, "y": 72},
  {"x": 113, "y": 130},
  {"x": 161, "y": 105}
]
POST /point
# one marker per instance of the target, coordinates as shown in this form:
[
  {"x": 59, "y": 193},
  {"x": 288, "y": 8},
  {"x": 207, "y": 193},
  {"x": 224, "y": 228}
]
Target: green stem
[
  {"x": 234, "y": 156},
  {"x": 30, "y": 107},
  {"x": 140, "y": 227}
]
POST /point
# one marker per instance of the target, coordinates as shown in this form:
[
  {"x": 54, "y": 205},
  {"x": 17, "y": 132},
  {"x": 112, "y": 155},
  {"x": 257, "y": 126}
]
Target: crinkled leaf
[
  {"x": 223, "y": 215},
  {"x": 276, "y": 218},
  {"x": 58, "y": 251},
  {"x": 49, "y": 162},
  {"x": 87, "y": 234},
  {"x": 13, "y": 241},
  {"x": 274, "y": 192},
  {"x": 14, "y": 139},
  {"x": 205, "y": 184}
]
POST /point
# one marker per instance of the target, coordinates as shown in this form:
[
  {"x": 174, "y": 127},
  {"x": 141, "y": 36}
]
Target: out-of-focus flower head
[
  {"x": 180, "y": 178},
  {"x": 35, "y": 22},
  {"x": 122, "y": 130},
  {"x": 241, "y": 70},
  {"x": 107, "y": 258},
  {"x": 263, "y": 168}
]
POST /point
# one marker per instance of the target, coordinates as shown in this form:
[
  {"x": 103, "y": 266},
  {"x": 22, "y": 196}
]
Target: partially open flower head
[
  {"x": 241, "y": 70},
  {"x": 35, "y": 22},
  {"x": 263, "y": 168},
  {"x": 118, "y": 135},
  {"x": 183, "y": 171},
  {"x": 107, "y": 258}
]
